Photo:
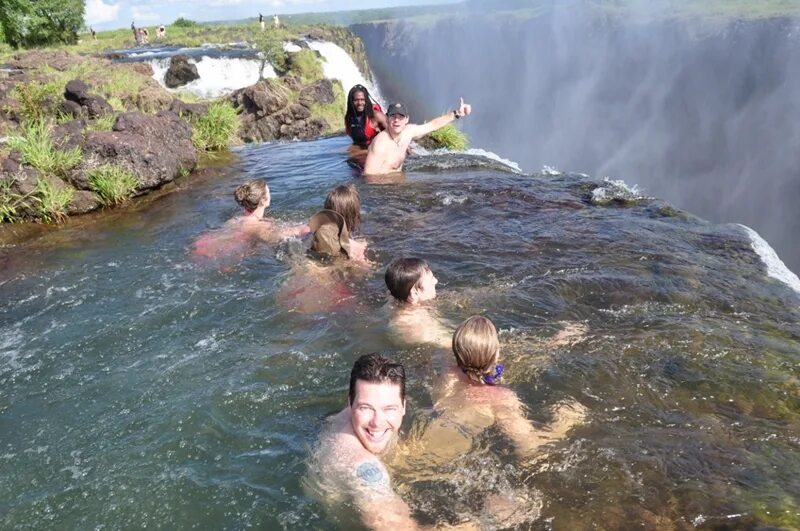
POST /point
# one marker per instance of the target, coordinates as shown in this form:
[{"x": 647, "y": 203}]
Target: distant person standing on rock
[
  {"x": 94, "y": 33},
  {"x": 136, "y": 36},
  {"x": 261, "y": 21},
  {"x": 161, "y": 32},
  {"x": 276, "y": 22}
]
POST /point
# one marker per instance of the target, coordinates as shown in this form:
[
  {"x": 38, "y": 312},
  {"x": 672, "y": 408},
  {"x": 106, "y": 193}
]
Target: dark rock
[
  {"x": 301, "y": 44},
  {"x": 57, "y": 60},
  {"x": 97, "y": 106},
  {"x": 154, "y": 148},
  {"x": 82, "y": 202},
  {"x": 70, "y": 108},
  {"x": 180, "y": 72},
  {"x": 77, "y": 91},
  {"x": 292, "y": 81},
  {"x": 320, "y": 91},
  {"x": 188, "y": 110},
  {"x": 9, "y": 165},
  {"x": 261, "y": 99},
  {"x": 68, "y": 135}
]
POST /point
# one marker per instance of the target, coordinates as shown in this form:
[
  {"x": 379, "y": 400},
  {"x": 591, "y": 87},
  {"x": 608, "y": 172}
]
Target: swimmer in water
[
  {"x": 237, "y": 233},
  {"x": 388, "y": 150},
  {"x": 345, "y": 200},
  {"x": 412, "y": 284},
  {"x": 347, "y": 466}
]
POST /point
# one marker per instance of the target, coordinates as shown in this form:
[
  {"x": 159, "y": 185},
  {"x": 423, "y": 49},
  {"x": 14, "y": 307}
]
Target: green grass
[
  {"x": 112, "y": 183},
  {"x": 102, "y": 123},
  {"x": 33, "y": 98},
  {"x": 451, "y": 138},
  {"x": 39, "y": 151},
  {"x": 305, "y": 64},
  {"x": 121, "y": 83},
  {"x": 333, "y": 113},
  {"x": 217, "y": 128},
  {"x": 52, "y": 203},
  {"x": 10, "y": 201}
]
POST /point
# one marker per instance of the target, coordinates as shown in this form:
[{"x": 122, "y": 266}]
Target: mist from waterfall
[{"x": 704, "y": 116}]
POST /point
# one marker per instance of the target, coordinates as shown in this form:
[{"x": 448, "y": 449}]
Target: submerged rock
[{"x": 180, "y": 72}]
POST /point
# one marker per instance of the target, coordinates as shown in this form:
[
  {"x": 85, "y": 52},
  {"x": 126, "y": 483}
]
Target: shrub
[
  {"x": 35, "y": 99},
  {"x": 332, "y": 112},
  {"x": 217, "y": 128},
  {"x": 38, "y": 150},
  {"x": 306, "y": 65},
  {"x": 52, "y": 203},
  {"x": 184, "y": 23},
  {"x": 112, "y": 183},
  {"x": 451, "y": 138}
]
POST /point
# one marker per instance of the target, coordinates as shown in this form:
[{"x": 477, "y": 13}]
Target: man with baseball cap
[{"x": 387, "y": 152}]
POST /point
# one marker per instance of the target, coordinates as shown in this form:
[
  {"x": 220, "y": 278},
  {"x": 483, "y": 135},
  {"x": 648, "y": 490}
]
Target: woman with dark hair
[{"x": 364, "y": 118}]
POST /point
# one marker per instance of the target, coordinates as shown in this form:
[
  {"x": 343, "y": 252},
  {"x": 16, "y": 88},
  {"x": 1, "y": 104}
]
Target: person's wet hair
[
  {"x": 403, "y": 274},
  {"x": 345, "y": 200},
  {"x": 374, "y": 368},
  {"x": 250, "y": 194},
  {"x": 475, "y": 346},
  {"x": 351, "y": 109}
]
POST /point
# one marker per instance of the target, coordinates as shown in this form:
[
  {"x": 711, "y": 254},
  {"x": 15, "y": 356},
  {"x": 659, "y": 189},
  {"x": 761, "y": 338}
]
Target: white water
[
  {"x": 218, "y": 75},
  {"x": 775, "y": 266},
  {"x": 222, "y": 75},
  {"x": 339, "y": 65}
]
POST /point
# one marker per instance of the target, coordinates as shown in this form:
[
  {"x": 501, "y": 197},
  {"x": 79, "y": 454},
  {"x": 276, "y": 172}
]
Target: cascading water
[
  {"x": 339, "y": 65},
  {"x": 218, "y": 75}
]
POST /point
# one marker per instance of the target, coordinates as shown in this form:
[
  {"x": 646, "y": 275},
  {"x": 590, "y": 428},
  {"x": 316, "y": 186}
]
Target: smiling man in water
[
  {"x": 348, "y": 466},
  {"x": 387, "y": 152}
]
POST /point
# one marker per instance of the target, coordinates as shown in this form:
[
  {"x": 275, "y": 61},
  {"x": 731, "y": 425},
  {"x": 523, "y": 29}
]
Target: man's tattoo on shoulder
[{"x": 370, "y": 473}]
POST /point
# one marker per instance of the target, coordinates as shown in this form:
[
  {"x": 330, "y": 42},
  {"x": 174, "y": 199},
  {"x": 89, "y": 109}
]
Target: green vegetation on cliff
[
  {"x": 112, "y": 183},
  {"x": 216, "y": 129}
]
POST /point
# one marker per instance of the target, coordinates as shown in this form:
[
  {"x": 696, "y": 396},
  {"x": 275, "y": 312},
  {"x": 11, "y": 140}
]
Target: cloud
[
  {"x": 144, "y": 14},
  {"x": 98, "y": 12}
]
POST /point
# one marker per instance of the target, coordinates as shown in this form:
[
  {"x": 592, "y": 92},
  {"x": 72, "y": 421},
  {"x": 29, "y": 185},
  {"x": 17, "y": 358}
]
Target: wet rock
[
  {"x": 318, "y": 92},
  {"x": 82, "y": 202},
  {"x": 180, "y": 72}
]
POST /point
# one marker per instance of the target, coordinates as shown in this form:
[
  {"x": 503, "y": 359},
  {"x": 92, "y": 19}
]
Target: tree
[
  {"x": 40, "y": 22},
  {"x": 270, "y": 50}
]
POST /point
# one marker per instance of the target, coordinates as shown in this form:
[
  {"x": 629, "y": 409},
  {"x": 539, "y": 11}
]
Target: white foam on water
[
  {"x": 494, "y": 156},
  {"x": 218, "y": 75},
  {"x": 339, "y": 65},
  {"x": 775, "y": 266},
  {"x": 291, "y": 47}
]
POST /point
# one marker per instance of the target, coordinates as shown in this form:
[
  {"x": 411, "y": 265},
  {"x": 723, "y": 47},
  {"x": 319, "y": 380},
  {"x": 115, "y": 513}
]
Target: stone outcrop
[
  {"x": 180, "y": 72},
  {"x": 156, "y": 149},
  {"x": 269, "y": 114},
  {"x": 77, "y": 92}
]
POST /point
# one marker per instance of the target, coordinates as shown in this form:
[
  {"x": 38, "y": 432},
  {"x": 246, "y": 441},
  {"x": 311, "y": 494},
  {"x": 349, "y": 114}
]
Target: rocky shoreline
[{"x": 144, "y": 131}]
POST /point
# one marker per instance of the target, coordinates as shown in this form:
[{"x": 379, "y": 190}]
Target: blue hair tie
[
  {"x": 494, "y": 379},
  {"x": 491, "y": 379}
]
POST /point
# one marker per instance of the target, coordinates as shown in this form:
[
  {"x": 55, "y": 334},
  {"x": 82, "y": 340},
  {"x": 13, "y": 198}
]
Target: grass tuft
[
  {"x": 102, "y": 123},
  {"x": 34, "y": 97},
  {"x": 217, "y": 128},
  {"x": 52, "y": 203},
  {"x": 39, "y": 151},
  {"x": 112, "y": 183},
  {"x": 11, "y": 202},
  {"x": 451, "y": 138}
]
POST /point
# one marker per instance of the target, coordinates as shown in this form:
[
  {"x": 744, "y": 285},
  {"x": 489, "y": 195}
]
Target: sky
[{"x": 113, "y": 14}]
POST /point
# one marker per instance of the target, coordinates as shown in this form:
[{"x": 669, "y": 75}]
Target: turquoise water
[{"x": 142, "y": 388}]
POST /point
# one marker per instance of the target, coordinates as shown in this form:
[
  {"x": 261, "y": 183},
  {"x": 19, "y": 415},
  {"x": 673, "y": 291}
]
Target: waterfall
[{"x": 339, "y": 65}]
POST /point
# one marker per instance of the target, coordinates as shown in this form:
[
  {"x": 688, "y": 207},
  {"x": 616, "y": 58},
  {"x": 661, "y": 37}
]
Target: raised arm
[{"x": 464, "y": 109}]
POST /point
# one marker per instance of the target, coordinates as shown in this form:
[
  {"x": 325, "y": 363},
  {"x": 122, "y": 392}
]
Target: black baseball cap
[{"x": 396, "y": 108}]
